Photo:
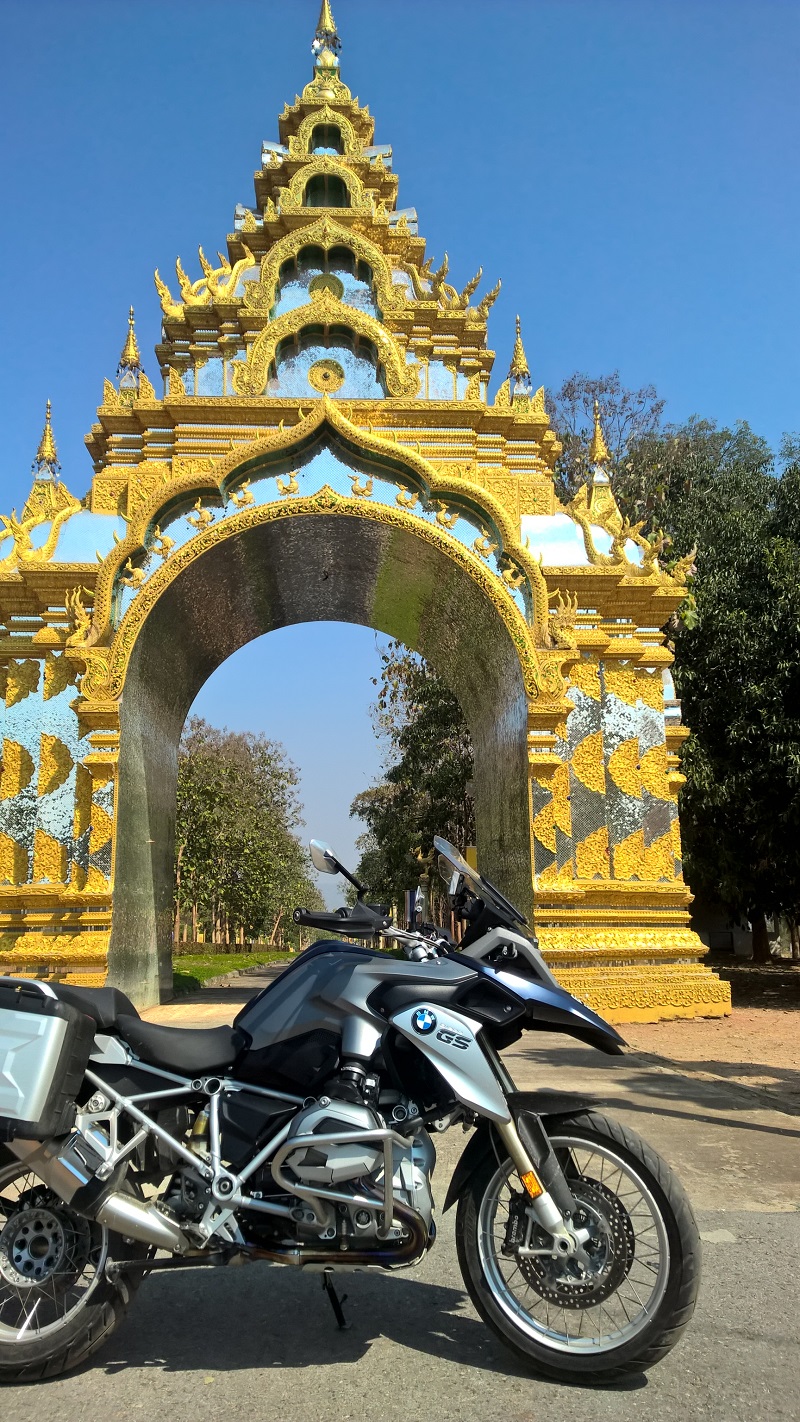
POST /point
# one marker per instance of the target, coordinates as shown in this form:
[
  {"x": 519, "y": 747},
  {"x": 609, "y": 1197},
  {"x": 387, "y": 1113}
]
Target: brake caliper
[{"x": 517, "y": 1224}]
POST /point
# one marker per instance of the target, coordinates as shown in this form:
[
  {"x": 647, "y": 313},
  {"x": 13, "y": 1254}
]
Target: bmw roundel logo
[{"x": 423, "y": 1020}]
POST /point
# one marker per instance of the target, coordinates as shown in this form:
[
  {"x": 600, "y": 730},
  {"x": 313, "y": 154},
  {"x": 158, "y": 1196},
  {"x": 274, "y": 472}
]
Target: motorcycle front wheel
[
  {"x": 626, "y": 1305},
  {"x": 57, "y": 1301}
]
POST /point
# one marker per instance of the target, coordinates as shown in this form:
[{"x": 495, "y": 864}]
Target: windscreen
[{"x": 480, "y": 887}]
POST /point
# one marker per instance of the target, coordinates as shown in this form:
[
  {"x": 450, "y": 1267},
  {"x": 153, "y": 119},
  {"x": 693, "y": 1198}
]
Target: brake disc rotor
[{"x": 611, "y": 1246}]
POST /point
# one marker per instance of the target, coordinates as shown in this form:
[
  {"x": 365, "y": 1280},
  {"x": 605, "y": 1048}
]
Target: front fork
[
  {"x": 556, "y": 1221},
  {"x": 539, "y": 1171}
]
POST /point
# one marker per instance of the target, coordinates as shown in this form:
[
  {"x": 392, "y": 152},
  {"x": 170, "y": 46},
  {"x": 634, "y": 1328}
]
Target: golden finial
[
  {"x": 326, "y": 43},
  {"x": 130, "y": 359},
  {"x": 326, "y": 23},
  {"x": 47, "y": 454},
  {"x": 519, "y": 360},
  {"x": 598, "y": 449}
]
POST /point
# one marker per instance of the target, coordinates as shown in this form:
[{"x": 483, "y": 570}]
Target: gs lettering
[{"x": 452, "y": 1038}]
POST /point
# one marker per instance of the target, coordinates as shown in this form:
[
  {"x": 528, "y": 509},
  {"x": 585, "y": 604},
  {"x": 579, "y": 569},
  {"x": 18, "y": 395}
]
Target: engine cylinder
[{"x": 330, "y": 1163}]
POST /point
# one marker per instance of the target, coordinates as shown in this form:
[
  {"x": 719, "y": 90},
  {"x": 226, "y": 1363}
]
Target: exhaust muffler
[{"x": 69, "y": 1167}]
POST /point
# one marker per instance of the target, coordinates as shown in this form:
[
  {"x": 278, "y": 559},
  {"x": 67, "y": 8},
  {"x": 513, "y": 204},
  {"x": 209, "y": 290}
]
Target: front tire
[
  {"x": 57, "y": 1303},
  {"x": 629, "y": 1308}
]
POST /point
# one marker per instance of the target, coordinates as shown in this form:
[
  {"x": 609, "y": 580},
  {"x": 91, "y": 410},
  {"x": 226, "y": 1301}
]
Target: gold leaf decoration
[
  {"x": 326, "y": 376},
  {"x": 23, "y": 678},
  {"x": 55, "y": 764},
  {"x": 17, "y": 772}
]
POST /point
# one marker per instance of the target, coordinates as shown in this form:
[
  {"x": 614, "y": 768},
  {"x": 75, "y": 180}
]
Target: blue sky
[{"x": 628, "y": 167}]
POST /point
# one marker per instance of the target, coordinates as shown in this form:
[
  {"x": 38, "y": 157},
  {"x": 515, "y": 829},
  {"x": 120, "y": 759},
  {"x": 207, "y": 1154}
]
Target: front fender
[{"x": 548, "y": 1105}]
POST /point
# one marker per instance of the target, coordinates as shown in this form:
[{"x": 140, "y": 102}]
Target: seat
[
  {"x": 191, "y": 1051},
  {"x": 105, "y": 1004}
]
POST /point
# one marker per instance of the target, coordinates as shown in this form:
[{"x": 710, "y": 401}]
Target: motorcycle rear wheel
[
  {"x": 57, "y": 1303},
  {"x": 630, "y": 1308}
]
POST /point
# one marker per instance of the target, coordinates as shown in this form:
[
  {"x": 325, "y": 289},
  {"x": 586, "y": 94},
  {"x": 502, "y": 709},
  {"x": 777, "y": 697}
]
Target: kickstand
[{"x": 336, "y": 1302}]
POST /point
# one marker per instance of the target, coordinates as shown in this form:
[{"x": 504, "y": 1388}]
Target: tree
[
  {"x": 736, "y": 638},
  {"x": 239, "y": 866},
  {"x": 628, "y": 417},
  {"x": 738, "y": 673},
  {"x": 426, "y": 788}
]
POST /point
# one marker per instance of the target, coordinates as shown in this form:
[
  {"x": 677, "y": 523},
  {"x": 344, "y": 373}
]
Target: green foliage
[
  {"x": 738, "y": 673},
  {"x": 737, "y": 654},
  {"x": 239, "y": 866},
  {"x": 629, "y": 416},
  {"x": 736, "y": 638},
  {"x": 426, "y": 788}
]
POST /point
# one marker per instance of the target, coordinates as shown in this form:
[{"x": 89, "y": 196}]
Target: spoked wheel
[
  {"x": 626, "y": 1303},
  {"x": 56, "y": 1303}
]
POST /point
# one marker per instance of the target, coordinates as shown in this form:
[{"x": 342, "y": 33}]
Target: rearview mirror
[{"x": 323, "y": 857}]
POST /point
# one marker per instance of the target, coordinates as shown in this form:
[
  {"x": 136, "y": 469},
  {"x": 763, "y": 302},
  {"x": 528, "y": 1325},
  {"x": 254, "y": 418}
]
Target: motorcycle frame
[{"x": 226, "y": 1186}]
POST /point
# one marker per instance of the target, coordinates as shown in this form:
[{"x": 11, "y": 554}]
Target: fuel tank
[{"x": 320, "y": 1008}]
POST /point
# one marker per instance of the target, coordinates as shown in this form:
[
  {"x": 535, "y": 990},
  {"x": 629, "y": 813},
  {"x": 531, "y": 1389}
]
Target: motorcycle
[{"x": 303, "y": 1134}]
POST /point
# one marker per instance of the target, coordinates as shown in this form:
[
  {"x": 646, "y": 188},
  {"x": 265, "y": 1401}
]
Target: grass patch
[{"x": 196, "y": 968}]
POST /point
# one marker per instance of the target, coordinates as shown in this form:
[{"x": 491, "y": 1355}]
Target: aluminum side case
[{"x": 44, "y": 1051}]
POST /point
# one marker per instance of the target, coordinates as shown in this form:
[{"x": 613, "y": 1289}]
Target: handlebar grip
[
  {"x": 319, "y": 920},
  {"x": 361, "y": 921}
]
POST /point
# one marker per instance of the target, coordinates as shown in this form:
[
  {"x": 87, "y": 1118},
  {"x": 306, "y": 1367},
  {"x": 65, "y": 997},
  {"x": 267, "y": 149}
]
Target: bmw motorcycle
[{"x": 303, "y": 1135}]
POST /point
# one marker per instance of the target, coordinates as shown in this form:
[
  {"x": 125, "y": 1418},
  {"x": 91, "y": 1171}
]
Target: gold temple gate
[{"x": 324, "y": 448}]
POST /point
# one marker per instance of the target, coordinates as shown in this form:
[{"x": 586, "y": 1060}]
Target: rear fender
[{"x": 548, "y": 1106}]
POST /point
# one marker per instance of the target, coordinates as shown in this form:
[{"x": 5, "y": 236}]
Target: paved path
[
  {"x": 213, "y": 1005},
  {"x": 259, "y": 1342}
]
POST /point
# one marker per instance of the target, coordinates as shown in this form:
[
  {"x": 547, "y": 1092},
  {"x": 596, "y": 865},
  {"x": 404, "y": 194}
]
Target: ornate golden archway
[
  {"x": 324, "y": 399},
  {"x": 271, "y": 542}
]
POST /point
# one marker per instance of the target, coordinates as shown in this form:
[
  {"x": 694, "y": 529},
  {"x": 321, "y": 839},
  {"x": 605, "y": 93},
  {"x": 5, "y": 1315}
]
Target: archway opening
[
  {"x": 326, "y": 138},
  {"x": 262, "y": 766},
  {"x": 326, "y": 190}
]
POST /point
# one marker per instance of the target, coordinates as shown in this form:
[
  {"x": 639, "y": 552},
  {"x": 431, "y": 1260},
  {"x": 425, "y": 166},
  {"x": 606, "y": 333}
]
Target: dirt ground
[{"x": 757, "y": 1046}]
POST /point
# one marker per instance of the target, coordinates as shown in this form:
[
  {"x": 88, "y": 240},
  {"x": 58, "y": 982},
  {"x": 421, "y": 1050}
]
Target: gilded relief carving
[{"x": 250, "y": 376}]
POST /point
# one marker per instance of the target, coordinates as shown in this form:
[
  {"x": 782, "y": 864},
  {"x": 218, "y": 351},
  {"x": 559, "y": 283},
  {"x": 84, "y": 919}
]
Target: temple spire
[
  {"x": 519, "y": 376},
  {"x": 326, "y": 43},
  {"x": 598, "y": 449},
  {"x": 46, "y": 465},
  {"x": 326, "y": 25},
  {"x": 130, "y": 364}
]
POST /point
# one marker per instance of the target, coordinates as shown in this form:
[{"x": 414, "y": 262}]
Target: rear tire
[
  {"x": 630, "y": 1309},
  {"x": 57, "y": 1304}
]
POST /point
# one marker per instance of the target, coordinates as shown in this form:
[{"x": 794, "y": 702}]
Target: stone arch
[
  {"x": 326, "y": 425},
  {"x": 306, "y": 566},
  {"x": 260, "y": 568}
]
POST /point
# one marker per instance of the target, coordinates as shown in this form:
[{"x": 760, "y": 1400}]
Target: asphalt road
[{"x": 260, "y": 1342}]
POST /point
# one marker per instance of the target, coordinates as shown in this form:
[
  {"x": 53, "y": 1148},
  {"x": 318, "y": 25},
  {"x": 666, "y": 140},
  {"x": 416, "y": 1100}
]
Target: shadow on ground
[
  {"x": 664, "y": 1087},
  {"x": 251, "y": 1319},
  {"x": 771, "y": 985}
]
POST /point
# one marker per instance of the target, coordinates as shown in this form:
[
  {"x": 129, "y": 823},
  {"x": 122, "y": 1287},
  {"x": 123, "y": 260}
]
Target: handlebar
[
  {"x": 367, "y": 920},
  {"x": 362, "y": 921}
]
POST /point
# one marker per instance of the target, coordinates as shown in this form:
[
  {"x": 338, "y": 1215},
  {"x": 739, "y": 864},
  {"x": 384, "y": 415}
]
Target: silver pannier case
[{"x": 44, "y": 1052}]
